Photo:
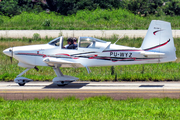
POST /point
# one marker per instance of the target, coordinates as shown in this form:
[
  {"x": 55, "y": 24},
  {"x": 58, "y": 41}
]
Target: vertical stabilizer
[{"x": 159, "y": 39}]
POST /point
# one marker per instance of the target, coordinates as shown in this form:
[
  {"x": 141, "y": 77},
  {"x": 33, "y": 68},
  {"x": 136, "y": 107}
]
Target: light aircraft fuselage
[{"x": 157, "y": 47}]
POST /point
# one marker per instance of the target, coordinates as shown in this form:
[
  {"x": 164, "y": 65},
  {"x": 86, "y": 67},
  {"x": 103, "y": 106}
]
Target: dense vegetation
[
  {"x": 83, "y": 20},
  {"x": 93, "y": 108},
  {"x": 147, "y": 72},
  {"x": 86, "y": 14},
  {"x": 66, "y": 7}
]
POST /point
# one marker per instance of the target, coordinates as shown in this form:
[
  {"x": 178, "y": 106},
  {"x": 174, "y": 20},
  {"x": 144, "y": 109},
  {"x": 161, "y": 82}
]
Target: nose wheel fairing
[
  {"x": 64, "y": 80},
  {"x": 22, "y": 80}
]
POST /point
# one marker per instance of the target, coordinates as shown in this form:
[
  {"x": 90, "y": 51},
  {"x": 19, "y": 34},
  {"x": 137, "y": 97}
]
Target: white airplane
[{"x": 157, "y": 47}]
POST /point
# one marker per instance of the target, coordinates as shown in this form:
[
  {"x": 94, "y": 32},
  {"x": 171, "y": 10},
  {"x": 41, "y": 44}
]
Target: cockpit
[{"x": 83, "y": 42}]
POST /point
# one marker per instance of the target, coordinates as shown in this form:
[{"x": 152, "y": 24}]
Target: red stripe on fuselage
[
  {"x": 120, "y": 50},
  {"x": 67, "y": 55},
  {"x": 30, "y": 54}
]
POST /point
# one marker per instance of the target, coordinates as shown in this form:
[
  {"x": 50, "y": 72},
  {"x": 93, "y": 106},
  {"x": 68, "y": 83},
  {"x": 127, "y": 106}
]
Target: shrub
[
  {"x": 36, "y": 36},
  {"x": 1, "y": 21},
  {"x": 46, "y": 23}
]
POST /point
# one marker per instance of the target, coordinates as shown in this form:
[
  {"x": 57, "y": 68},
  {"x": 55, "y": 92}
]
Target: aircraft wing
[{"x": 64, "y": 63}]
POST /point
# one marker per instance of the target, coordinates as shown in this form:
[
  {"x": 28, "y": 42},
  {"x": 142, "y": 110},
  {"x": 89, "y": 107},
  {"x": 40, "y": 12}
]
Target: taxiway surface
[{"x": 116, "y": 90}]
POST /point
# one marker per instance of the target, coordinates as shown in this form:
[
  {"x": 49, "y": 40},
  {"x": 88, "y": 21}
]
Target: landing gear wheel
[
  {"x": 62, "y": 84},
  {"x": 21, "y": 84}
]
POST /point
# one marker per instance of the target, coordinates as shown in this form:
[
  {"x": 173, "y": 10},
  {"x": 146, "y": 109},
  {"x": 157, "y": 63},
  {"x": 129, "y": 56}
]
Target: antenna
[{"x": 118, "y": 39}]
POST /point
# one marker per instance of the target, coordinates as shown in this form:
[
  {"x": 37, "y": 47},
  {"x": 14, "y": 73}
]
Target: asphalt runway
[{"x": 116, "y": 90}]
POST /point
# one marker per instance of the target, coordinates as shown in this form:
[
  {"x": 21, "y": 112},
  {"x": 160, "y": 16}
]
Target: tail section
[{"x": 159, "y": 39}]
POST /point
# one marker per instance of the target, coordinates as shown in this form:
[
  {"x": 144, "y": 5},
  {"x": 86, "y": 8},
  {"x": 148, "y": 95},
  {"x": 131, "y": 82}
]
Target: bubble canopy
[
  {"x": 90, "y": 42},
  {"x": 83, "y": 42}
]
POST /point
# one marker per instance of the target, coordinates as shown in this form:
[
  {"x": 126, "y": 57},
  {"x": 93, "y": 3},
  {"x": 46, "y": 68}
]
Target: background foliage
[
  {"x": 86, "y": 14},
  {"x": 99, "y": 19},
  {"x": 68, "y": 7}
]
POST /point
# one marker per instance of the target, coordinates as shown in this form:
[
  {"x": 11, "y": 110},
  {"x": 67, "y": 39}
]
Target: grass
[
  {"x": 116, "y": 19},
  {"x": 96, "y": 108},
  {"x": 148, "y": 72}
]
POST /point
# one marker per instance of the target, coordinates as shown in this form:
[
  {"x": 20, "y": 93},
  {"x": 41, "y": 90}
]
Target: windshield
[
  {"x": 89, "y": 42},
  {"x": 55, "y": 41}
]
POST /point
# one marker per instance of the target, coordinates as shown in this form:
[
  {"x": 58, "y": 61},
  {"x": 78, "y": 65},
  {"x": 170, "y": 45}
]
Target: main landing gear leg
[
  {"x": 62, "y": 80},
  {"x": 22, "y": 80}
]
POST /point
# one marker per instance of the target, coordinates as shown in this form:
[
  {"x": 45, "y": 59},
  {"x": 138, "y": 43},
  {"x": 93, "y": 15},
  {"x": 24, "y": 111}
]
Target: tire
[{"x": 21, "y": 84}]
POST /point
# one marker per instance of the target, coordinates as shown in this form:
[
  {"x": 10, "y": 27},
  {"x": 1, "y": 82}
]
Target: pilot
[
  {"x": 70, "y": 43},
  {"x": 75, "y": 40}
]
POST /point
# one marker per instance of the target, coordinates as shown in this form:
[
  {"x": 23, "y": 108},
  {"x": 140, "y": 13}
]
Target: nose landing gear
[{"x": 22, "y": 80}]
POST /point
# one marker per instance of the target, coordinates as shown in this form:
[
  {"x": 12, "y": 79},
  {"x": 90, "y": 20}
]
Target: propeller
[{"x": 11, "y": 50}]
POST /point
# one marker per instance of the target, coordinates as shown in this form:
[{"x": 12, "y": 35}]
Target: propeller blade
[
  {"x": 11, "y": 54},
  {"x": 11, "y": 59},
  {"x": 37, "y": 69}
]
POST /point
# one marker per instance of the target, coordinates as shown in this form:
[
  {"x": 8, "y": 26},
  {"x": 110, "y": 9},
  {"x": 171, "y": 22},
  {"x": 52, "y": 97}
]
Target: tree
[
  {"x": 172, "y": 7},
  {"x": 9, "y": 7},
  {"x": 66, "y": 7}
]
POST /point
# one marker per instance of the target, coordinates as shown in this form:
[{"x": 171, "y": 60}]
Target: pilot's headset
[{"x": 74, "y": 39}]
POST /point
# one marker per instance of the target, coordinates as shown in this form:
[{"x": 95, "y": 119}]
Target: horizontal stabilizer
[{"x": 151, "y": 53}]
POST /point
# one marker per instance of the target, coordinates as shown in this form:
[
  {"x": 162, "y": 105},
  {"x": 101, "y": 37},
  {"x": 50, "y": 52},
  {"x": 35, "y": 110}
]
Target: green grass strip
[{"x": 93, "y": 108}]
